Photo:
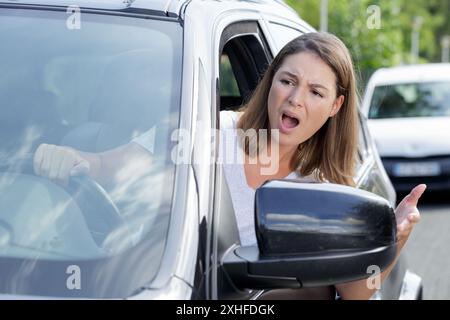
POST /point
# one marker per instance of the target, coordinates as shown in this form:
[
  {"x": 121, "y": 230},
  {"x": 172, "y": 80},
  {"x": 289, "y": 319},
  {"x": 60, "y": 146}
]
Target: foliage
[{"x": 389, "y": 43}]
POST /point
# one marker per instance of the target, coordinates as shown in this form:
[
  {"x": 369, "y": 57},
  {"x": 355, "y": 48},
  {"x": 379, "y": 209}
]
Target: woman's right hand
[{"x": 58, "y": 163}]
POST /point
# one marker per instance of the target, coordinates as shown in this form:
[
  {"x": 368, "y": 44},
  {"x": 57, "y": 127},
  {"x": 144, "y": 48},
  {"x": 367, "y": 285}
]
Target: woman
[
  {"x": 307, "y": 103},
  {"x": 307, "y": 96}
]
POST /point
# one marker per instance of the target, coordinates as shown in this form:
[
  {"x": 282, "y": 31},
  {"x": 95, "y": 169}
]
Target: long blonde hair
[{"x": 330, "y": 154}]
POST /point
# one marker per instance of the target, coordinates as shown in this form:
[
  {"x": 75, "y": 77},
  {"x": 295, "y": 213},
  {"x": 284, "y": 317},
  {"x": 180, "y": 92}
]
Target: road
[{"x": 427, "y": 251}]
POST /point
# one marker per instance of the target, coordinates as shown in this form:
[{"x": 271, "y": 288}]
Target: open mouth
[{"x": 289, "y": 121}]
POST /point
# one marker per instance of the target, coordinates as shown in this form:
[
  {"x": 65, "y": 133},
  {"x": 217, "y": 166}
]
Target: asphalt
[{"x": 428, "y": 249}]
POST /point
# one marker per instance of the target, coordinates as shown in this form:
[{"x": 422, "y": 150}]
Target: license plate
[{"x": 418, "y": 169}]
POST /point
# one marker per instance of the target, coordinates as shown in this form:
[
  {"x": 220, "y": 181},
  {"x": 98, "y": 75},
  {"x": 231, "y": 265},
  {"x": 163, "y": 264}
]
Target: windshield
[
  {"x": 92, "y": 87},
  {"x": 427, "y": 99}
]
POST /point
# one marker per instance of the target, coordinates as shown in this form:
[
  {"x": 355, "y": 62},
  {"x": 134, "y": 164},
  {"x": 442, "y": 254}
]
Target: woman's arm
[
  {"x": 58, "y": 163},
  {"x": 406, "y": 216}
]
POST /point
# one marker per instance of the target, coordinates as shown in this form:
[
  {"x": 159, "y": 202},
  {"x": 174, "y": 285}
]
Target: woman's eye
[
  {"x": 286, "y": 82},
  {"x": 316, "y": 93}
]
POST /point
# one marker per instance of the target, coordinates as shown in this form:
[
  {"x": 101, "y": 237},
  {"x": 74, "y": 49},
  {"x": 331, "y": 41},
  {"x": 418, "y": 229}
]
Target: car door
[
  {"x": 372, "y": 177},
  {"x": 242, "y": 59},
  {"x": 246, "y": 48}
]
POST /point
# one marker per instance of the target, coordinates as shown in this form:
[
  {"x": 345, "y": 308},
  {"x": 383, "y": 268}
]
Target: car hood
[{"x": 411, "y": 137}]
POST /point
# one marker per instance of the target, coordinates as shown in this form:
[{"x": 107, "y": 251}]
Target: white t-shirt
[{"x": 242, "y": 196}]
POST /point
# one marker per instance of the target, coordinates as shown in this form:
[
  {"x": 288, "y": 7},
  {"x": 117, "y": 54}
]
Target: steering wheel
[{"x": 99, "y": 211}]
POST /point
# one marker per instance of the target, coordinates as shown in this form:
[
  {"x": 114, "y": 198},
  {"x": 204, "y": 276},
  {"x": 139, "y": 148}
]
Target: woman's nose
[{"x": 296, "y": 97}]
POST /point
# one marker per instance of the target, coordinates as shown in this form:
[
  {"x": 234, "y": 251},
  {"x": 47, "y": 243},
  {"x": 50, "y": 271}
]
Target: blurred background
[
  {"x": 401, "y": 52},
  {"x": 383, "y": 33}
]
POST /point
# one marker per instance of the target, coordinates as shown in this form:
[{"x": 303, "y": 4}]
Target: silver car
[{"x": 99, "y": 74}]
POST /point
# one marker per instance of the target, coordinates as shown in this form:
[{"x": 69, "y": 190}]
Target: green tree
[
  {"x": 442, "y": 8},
  {"x": 385, "y": 44}
]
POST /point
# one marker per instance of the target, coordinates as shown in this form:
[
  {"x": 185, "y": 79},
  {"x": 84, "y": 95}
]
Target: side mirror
[{"x": 313, "y": 234}]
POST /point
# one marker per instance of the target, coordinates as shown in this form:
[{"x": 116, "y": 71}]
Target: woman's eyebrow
[
  {"x": 293, "y": 75},
  {"x": 290, "y": 74},
  {"x": 318, "y": 85}
]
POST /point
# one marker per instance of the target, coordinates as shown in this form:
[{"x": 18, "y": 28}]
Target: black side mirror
[{"x": 313, "y": 234}]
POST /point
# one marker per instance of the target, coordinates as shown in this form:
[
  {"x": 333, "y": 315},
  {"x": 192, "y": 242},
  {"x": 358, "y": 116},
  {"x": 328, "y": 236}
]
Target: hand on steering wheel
[
  {"x": 99, "y": 211},
  {"x": 58, "y": 163}
]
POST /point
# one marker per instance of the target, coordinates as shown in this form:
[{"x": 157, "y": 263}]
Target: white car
[{"x": 408, "y": 110}]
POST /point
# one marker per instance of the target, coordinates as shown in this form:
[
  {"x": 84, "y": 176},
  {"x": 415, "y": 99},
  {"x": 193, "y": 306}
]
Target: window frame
[
  {"x": 235, "y": 32},
  {"x": 243, "y": 42}
]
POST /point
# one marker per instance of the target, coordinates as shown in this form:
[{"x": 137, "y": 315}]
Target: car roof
[
  {"x": 412, "y": 73},
  {"x": 149, "y": 6},
  {"x": 165, "y": 7}
]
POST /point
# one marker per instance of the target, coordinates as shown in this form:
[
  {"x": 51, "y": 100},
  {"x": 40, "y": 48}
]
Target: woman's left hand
[{"x": 407, "y": 213}]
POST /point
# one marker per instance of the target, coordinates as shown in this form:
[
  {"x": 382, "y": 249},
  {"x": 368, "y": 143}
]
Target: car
[
  {"x": 97, "y": 75},
  {"x": 409, "y": 112}
]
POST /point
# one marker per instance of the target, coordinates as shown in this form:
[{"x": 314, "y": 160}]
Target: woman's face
[{"x": 302, "y": 97}]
